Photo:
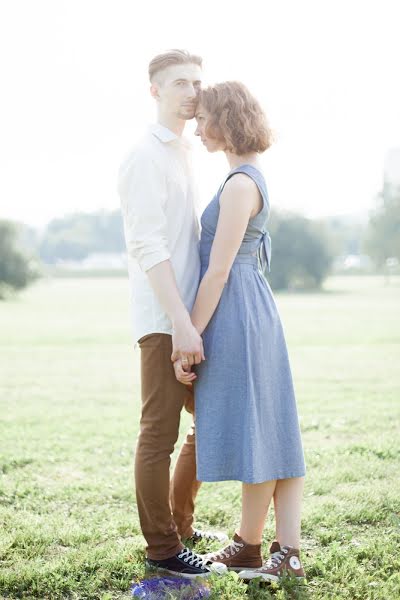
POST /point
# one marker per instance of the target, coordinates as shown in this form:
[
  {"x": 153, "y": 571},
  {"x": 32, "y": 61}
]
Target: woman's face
[{"x": 202, "y": 118}]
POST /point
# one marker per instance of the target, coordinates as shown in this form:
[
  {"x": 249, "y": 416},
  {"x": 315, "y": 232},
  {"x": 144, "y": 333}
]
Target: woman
[{"x": 246, "y": 417}]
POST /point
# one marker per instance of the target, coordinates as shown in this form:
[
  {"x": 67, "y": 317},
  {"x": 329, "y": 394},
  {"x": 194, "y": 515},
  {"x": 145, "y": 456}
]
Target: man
[{"x": 162, "y": 233}]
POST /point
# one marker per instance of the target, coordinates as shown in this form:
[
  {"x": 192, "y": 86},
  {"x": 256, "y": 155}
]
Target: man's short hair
[{"x": 172, "y": 57}]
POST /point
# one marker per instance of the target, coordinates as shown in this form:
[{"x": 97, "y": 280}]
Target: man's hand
[
  {"x": 186, "y": 341},
  {"x": 187, "y": 344},
  {"x": 185, "y": 377}
]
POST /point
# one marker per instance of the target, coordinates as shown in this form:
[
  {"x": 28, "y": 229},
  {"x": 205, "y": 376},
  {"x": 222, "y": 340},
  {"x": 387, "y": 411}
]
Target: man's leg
[
  {"x": 162, "y": 400},
  {"x": 184, "y": 485}
]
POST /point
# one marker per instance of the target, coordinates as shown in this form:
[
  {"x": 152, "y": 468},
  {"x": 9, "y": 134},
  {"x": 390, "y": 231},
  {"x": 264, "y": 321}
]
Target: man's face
[{"x": 176, "y": 89}]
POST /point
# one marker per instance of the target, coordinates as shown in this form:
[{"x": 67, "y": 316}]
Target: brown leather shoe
[
  {"x": 238, "y": 555},
  {"x": 283, "y": 559}
]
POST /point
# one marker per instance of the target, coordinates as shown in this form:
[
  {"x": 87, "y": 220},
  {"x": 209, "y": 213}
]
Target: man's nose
[
  {"x": 192, "y": 91},
  {"x": 197, "y": 132}
]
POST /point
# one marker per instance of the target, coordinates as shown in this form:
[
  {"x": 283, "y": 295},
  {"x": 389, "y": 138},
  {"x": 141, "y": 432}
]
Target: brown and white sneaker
[
  {"x": 283, "y": 560},
  {"x": 238, "y": 555}
]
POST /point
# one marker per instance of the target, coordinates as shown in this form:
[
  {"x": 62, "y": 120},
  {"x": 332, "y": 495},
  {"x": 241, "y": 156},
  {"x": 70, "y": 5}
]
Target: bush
[
  {"x": 301, "y": 252},
  {"x": 17, "y": 269},
  {"x": 382, "y": 241}
]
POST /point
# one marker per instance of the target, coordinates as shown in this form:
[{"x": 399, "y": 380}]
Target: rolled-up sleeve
[{"x": 143, "y": 193}]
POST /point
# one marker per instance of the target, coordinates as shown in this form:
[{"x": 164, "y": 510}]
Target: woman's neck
[{"x": 235, "y": 160}]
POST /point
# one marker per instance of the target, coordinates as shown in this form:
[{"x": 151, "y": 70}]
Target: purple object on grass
[{"x": 158, "y": 588}]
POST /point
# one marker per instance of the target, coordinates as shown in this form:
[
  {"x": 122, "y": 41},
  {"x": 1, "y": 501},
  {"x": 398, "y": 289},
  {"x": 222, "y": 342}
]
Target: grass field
[{"x": 69, "y": 408}]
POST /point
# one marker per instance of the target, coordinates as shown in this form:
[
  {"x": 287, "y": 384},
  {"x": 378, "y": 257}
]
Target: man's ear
[{"x": 154, "y": 91}]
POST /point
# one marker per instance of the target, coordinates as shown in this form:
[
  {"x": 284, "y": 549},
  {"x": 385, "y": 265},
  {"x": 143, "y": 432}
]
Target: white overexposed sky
[{"x": 75, "y": 95}]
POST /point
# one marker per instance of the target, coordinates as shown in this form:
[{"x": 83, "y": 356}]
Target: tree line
[{"x": 302, "y": 254}]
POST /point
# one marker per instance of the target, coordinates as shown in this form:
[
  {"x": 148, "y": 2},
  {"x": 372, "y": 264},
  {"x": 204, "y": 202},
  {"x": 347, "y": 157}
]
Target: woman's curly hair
[{"x": 236, "y": 118}]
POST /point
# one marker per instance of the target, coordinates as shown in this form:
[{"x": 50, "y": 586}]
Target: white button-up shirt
[{"x": 158, "y": 200}]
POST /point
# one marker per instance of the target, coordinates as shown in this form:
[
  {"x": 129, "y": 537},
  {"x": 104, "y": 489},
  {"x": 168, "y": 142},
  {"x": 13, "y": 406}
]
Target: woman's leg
[
  {"x": 286, "y": 555},
  {"x": 244, "y": 552},
  {"x": 256, "y": 498},
  {"x": 287, "y": 503}
]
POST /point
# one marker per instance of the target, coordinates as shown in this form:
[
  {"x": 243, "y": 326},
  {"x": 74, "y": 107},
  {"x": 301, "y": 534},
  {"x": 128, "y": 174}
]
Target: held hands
[
  {"x": 184, "y": 375},
  {"x": 187, "y": 344},
  {"x": 187, "y": 349}
]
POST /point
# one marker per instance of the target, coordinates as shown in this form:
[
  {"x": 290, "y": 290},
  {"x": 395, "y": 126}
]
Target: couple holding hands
[{"x": 209, "y": 332}]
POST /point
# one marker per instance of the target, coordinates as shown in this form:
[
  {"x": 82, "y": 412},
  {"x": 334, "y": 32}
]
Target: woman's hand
[{"x": 185, "y": 377}]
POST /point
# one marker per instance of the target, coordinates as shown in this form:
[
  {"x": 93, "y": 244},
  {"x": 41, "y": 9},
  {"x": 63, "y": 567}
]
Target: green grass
[{"x": 69, "y": 409}]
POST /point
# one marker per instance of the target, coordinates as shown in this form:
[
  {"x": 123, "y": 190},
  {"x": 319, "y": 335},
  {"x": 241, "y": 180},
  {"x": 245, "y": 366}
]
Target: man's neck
[{"x": 172, "y": 123}]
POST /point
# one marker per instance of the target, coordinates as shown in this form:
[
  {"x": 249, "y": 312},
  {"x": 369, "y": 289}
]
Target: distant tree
[
  {"x": 301, "y": 248},
  {"x": 76, "y": 236},
  {"x": 17, "y": 270},
  {"x": 301, "y": 252},
  {"x": 382, "y": 239},
  {"x": 346, "y": 233}
]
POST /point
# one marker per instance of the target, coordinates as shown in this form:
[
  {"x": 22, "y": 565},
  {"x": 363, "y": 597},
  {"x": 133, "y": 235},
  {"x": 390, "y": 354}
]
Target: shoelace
[
  {"x": 227, "y": 552},
  {"x": 193, "y": 559},
  {"x": 275, "y": 559}
]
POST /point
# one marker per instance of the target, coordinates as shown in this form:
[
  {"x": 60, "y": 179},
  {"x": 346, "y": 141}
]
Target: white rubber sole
[
  {"x": 248, "y": 575},
  {"x": 236, "y": 569}
]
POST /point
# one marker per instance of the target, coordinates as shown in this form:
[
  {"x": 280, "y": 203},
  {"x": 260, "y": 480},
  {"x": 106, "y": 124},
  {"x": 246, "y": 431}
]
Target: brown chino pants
[{"x": 165, "y": 506}]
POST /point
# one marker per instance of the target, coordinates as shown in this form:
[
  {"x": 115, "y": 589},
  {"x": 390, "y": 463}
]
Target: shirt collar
[{"x": 165, "y": 135}]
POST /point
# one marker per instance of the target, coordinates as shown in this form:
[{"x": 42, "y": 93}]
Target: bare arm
[{"x": 238, "y": 201}]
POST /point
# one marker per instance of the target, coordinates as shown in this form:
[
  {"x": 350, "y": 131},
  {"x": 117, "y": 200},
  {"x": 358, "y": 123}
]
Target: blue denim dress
[{"x": 247, "y": 426}]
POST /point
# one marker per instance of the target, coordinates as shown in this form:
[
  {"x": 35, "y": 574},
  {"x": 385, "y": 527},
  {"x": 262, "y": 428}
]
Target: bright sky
[{"x": 75, "y": 95}]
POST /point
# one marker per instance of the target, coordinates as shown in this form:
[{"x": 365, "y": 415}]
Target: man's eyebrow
[{"x": 186, "y": 80}]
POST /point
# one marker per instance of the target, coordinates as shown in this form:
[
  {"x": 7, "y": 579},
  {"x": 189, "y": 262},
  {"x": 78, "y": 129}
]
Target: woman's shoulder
[
  {"x": 239, "y": 182},
  {"x": 240, "y": 189}
]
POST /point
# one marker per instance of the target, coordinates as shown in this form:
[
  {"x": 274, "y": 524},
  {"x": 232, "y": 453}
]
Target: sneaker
[
  {"x": 274, "y": 547},
  {"x": 238, "y": 555},
  {"x": 283, "y": 559},
  {"x": 187, "y": 564},
  {"x": 209, "y": 536}
]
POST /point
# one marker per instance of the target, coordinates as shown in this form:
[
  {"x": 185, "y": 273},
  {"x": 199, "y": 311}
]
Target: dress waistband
[
  {"x": 244, "y": 259},
  {"x": 248, "y": 253}
]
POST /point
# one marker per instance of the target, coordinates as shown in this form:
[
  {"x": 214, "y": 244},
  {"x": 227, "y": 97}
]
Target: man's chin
[{"x": 187, "y": 115}]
